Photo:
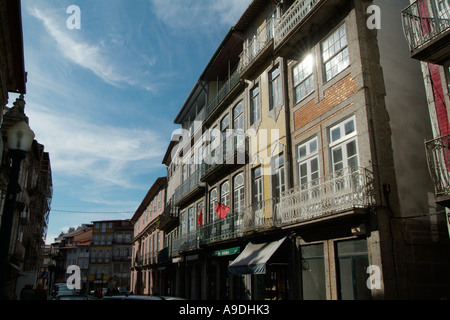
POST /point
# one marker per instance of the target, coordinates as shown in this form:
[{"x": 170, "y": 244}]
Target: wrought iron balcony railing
[
  {"x": 292, "y": 17},
  {"x": 261, "y": 215},
  {"x": 232, "y": 151},
  {"x": 343, "y": 190},
  {"x": 225, "y": 89},
  {"x": 438, "y": 155},
  {"x": 256, "y": 45},
  {"x": 425, "y": 20},
  {"x": 186, "y": 242},
  {"x": 190, "y": 184},
  {"x": 222, "y": 229}
]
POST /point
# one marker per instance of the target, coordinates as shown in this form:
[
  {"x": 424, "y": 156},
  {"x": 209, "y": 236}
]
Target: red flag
[
  {"x": 200, "y": 218},
  {"x": 221, "y": 210}
]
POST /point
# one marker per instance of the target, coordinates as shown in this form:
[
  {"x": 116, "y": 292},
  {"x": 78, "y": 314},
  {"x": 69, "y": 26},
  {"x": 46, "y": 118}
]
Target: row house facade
[
  {"x": 33, "y": 199},
  {"x": 32, "y": 206},
  {"x": 427, "y": 30},
  {"x": 64, "y": 252},
  {"x": 298, "y": 170},
  {"x": 147, "y": 271},
  {"x": 110, "y": 255},
  {"x": 75, "y": 248}
]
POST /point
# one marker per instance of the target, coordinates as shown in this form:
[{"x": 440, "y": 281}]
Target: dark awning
[{"x": 253, "y": 259}]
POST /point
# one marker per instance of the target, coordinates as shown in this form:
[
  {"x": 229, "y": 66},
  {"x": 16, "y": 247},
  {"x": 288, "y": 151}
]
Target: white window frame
[
  {"x": 212, "y": 205},
  {"x": 225, "y": 193},
  {"x": 311, "y": 154},
  {"x": 255, "y": 104},
  {"x": 238, "y": 193},
  {"x": 342, "y": 142},
  {"x": 257, "y": 186},
  {"x": 335, "y": 53},
  {"x": 275, "y": 88},
  {"x": 278, "y": 178},
  {"x": 303, "y": 77},
  {"x": 190, "y": 216}
]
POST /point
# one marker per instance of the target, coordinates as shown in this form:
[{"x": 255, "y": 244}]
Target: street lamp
[{"x": 20, "y": 138}]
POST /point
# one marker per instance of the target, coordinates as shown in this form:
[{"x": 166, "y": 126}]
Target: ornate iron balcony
[
  {"x": 424, "y": 21},
  {"x": 222, "y": 229},
  {"x": 261, "y": 215},
  {"x": 438, "y": 155},
  {"x": 340, "y": 191},
  {"x": 257, "y": 44},
  {"x": 292, "y": 17}
]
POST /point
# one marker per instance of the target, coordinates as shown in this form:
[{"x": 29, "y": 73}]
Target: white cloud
[
  {"x": 199, "y": 14},
  {"x": 104, "y": 155},
  {"x": 94, "y": 57}
]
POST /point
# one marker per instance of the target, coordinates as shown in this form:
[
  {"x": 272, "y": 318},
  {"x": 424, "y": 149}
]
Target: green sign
[{"x": 226, "y": 252}]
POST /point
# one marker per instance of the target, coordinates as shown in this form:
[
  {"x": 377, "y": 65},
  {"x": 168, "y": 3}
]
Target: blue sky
[{"x": 102, "y": 99}]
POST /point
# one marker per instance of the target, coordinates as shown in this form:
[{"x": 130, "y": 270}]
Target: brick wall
[{"x": 334, "y": 95}]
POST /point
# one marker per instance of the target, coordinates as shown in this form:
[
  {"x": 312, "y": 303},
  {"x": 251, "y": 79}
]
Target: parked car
[
  {"x": 131, "y": 297},
  {"x": 72, "y": 297},
  {"x": 61, "y": 289},
  {"x": 140, "y": 297}
]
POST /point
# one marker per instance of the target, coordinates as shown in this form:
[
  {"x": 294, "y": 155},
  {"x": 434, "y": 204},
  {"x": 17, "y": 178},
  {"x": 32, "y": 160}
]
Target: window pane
[
  {"x": 313, "y": 146},
  {"x": 351, "y": 149},
  {"x": 302, "y": 151},
  {"x": 313, "y": 273},
  {"x": 335, "y": 134},
  {"x": 349, "y": 127},
  {"x": 314, "y": 165},
  {"x": 337, "y": 155}
]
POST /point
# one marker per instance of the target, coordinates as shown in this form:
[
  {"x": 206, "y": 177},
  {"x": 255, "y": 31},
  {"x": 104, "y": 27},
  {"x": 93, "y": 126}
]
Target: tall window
[
  {"x": 275, "y": 91},
  {"x": 238, "y": 193},
  {"x": 225, "y": 193},
  {"x": 192, "y": 166},
  {"x": 238, "y": 124},
  {"x": 255, "y": 105},
  {"x": 224, "y": 126},
  {"x": 278, "y": 178},
  {"x": 257, "y": 190},
  {"x": 343, "y": 145},
  {"x": 184, "y": 173},
  {"x": 214, "y": 142},
  {"x": 212, "y": 204},
  {"x": 183, "y": 223},
  {"x": 308, "y": 162},
  {"x": 159, "y": 200},
  {"x": 191, "y": 223},
  {"x": 304, "y": 78},
  {"x": 335, "y": 53}
]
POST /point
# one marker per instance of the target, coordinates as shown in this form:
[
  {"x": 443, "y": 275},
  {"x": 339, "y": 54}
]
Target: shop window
[
  {"x": 313, "y": 272},
  {"x": 353, "y": 261}
]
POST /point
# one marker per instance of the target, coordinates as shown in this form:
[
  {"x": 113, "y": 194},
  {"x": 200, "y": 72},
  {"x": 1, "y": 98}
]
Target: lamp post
[{"x": 20, "y": 138}]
